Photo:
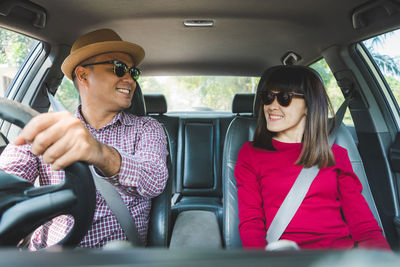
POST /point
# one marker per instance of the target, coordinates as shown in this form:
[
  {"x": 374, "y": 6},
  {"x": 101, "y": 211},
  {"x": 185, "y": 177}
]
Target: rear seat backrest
[
  {"x": 196, "y": 153},
  {"x": 198, "y": 157}
]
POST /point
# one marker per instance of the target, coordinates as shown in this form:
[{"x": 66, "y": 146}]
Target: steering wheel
[{"x": 24, "y": 207}]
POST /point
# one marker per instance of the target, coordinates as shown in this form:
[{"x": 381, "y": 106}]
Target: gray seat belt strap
[
  {"x": 299, "y": 189},
  {"x": 110, "y": 195},
  {"x": 118, "y": 207}
]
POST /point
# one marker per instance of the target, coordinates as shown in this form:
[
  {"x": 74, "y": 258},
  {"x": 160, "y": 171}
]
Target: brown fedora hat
[{"x": 96, "y": 43}]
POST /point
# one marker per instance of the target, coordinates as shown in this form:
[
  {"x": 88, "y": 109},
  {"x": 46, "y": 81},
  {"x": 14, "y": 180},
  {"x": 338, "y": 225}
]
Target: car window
[
  {"x": 188, "y": 93},
  {"x": 204, "y": 93},
  {"x": 333, "y": 90},
  {"x": 198, "y": 93},
  {"x": 14, "y": 48},
  {"x": 67, "y": 95},
  {"x": 384, "y": 51}
]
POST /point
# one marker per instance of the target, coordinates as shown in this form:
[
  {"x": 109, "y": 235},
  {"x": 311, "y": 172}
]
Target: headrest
[
  {"x": 243, "y": 103},
  {"x": 138, "y": 107},
  {"x": 261, "y": 84},
  {"x": 155, "y": 104}
]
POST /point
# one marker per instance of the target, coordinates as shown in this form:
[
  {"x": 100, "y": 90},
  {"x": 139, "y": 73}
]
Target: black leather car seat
[
  {"x": 242, "y": 104},
  {"x": 158, "y": 233}
]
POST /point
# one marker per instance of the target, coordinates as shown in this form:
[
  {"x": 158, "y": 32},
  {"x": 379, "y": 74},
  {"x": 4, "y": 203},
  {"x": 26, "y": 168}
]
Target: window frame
[{"x": 385, "y": 92}]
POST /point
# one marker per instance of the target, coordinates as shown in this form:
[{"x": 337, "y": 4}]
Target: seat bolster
[
  {"x": 159, "y": 227},
  {"x": 241, "y": 130},
  {"x": 346, "y": 140}
]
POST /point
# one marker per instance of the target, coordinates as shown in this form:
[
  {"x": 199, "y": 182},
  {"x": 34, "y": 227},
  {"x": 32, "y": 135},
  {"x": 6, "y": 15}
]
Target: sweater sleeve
[
  {"x": 251, "y": 214},
  {"x": 364, "y": 229}
]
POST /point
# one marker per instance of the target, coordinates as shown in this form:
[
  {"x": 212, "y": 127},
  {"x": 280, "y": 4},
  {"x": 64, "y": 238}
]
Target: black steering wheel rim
[{"x": 23, "y": 207}]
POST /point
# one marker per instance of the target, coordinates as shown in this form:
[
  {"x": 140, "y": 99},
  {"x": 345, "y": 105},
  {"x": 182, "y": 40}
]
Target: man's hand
[{"x": 62, "y": 139}]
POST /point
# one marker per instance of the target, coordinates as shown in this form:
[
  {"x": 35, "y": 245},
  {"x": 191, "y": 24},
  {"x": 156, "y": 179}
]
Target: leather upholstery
[
  {"x": 206, "y": 236},
  {"x": 198, "y": 157},
  {"x": 138, "y": 107},
  {"x": 158, "y": 233},
  {"x": 346, "y": 140},
  {"x": 243, "y": 103},
  {"x": 156, "y": 107},
  {"x": 242, "y": 130},
  {"x": 160, "y": 213},
  {"x": 155, "y": 104}
]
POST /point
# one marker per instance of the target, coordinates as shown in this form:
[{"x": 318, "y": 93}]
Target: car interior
[{"x": 195, "y": 220}]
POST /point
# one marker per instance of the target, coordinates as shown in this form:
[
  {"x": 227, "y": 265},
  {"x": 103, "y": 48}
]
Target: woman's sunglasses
[
  {"x": 284, "y": 98},
  {"x": 120, "y": 68}
]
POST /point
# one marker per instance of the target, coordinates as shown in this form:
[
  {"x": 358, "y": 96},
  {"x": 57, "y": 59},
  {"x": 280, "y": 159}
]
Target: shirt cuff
[{"x": 126, "y": 175}]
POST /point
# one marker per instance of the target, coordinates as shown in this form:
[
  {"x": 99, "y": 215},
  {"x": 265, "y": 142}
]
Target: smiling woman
[{"x": 291, "y": 137}]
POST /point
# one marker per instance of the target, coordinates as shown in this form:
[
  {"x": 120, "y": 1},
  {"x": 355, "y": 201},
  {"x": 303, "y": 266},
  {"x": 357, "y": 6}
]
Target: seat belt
[
  {"x": 110, "y": 195},
  {"x": 300, "y": 188},
  {"x": 118, "y": 207}
]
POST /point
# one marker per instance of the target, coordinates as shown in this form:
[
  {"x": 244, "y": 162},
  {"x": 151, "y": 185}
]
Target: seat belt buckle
[{"x": 175, "y": 198}]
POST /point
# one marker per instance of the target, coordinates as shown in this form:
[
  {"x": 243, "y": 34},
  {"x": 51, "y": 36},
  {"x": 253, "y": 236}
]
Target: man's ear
[{"x": 81, "y": 74}]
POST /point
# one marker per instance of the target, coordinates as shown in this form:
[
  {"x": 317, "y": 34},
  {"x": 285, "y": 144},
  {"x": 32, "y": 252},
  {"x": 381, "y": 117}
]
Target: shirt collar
[{"x": 121, "y": 117}]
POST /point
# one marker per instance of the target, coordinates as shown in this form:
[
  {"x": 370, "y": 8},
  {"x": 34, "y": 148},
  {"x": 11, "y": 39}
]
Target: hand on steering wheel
[{"x": 24, "y": 207}]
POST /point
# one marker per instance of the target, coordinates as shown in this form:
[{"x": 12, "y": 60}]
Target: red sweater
[{"x": 265, "y": 177}]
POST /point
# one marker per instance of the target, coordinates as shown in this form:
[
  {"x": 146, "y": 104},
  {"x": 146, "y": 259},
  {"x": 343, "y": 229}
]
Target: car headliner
[{"x": 247, "y": 36}]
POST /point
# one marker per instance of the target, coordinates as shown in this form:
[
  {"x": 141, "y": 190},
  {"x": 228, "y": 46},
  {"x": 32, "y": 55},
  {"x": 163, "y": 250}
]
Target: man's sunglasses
[
  {"x": 284, "y": 98},
  {"x": 120, "y": 68}
]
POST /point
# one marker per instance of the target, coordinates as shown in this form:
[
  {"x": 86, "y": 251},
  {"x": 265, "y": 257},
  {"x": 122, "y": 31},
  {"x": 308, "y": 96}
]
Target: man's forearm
[{"x": 110, "y": 161}]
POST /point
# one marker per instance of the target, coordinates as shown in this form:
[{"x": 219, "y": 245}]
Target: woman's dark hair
[{"x": 300, "y": 79}]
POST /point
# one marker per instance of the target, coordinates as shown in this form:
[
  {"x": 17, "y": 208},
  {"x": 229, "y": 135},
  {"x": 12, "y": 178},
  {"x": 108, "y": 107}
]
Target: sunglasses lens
[
  {"x": 120, "y": 69},
  {"x": 135, "y": 73},
  {"x": 284, "y": 99},
  {"x": 267, "y": 98}
]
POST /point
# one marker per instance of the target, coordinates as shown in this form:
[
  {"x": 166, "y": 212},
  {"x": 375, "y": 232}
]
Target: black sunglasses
[
  {"x": 284, "y": 98},
  {"x": 120, "y": 68}
]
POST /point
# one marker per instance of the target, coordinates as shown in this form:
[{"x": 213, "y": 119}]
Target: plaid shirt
[{"x": 141, "y": 142}]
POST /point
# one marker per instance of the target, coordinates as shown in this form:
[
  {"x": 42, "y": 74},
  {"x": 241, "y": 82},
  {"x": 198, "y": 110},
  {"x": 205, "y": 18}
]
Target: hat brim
[{"x": 81, "y": 54}]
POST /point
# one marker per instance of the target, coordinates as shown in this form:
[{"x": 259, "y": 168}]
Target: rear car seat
[{"x": 196, "y": 152}]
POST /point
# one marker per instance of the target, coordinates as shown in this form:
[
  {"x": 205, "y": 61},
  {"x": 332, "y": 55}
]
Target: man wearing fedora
[{"x": 128, "y": 151}]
